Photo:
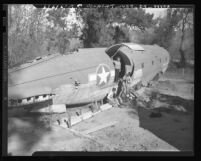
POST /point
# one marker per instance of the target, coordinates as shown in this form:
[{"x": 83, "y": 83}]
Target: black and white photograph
[{"x": 100, "y": 78}]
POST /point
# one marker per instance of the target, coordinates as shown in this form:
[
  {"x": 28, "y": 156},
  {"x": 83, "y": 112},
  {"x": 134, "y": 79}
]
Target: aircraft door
[{"x": 127, "y": 65}]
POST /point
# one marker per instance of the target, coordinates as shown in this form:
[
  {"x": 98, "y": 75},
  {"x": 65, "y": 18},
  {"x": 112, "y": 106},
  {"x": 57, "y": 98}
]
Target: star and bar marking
[{"x": 103, "y": 74}]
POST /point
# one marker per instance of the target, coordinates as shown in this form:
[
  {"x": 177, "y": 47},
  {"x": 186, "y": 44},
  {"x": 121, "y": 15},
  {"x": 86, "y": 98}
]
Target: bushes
[
  {"x": 31, "y": 33},
  {"x": 21, "y": 51}
]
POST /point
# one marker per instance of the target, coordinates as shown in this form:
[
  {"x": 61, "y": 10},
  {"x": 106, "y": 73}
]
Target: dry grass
[{"x": 173, "y": 72}]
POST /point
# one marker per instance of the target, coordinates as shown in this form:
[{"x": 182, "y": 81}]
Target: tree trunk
[{"x": 182, "y": 59}]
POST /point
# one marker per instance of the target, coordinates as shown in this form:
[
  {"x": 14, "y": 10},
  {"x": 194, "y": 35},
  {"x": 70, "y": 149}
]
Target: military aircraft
[{"x": 87, "y": 75}]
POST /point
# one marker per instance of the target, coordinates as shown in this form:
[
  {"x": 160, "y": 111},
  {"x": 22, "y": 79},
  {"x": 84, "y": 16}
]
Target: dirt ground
[{"x": 163, "y": 124}]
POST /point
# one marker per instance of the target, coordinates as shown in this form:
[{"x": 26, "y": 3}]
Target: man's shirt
[
  {"x": 111, "y": 95},
  {"x": 120, "y": 87},
  {"x": 128, "y": 80}
]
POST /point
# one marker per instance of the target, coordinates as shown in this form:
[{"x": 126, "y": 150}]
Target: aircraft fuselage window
[
  {"x": 160, "y": 60},
  {"x": 152, "y": 62},
  {"x": 142, "y": 65}
]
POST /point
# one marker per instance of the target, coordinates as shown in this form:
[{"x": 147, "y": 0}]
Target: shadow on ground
[
  {"x": 25, "y": 130},
  {"x": 173, "y": 125}
]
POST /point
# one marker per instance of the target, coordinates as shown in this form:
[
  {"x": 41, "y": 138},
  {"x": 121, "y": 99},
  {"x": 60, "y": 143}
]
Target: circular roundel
[{"x": 102, "y": 75}]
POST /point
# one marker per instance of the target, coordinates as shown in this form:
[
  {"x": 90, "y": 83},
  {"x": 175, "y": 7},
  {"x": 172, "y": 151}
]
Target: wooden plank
[
  {"x": 59, "y": 108},
  {"x": 99, "y": 127},
  {"x": 75, "y": 120},
  {"x": 96, "y": 112},
  {"x": 105, "y": 107},
  {"x": 87, "y": 115}
]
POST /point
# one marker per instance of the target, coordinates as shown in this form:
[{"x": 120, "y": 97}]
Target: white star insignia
[{"x": 103, "y": 76}]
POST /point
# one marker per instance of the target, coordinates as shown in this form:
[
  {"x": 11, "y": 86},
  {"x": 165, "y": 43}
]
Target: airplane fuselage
[{"x": 85, "y": 76}]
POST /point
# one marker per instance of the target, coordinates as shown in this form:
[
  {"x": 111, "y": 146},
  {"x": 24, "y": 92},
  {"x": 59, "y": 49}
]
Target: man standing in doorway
[
  {"x": 120, "y": 91},
  {"x": 117, "y": 66},
  {"x": 127, "y": 81}
]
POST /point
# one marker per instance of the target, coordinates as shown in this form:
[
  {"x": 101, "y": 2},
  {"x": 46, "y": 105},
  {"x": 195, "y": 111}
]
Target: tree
[
  {"x": 138, "y": 18},
  {"x": 105, "y": 26},
  {"x": 63, "y": 42},
  {"x": 18, "y": 37},
  {"x": 185, "y": 23},
  {"x": 164, "y": 30},
  {"x": 92, "y": 26},
  {"x": 34, "y": 32},
  {"x": 120, "y": 35},
  {"x": 178, "y": 20},
  {"x": 58, "y": 15}
]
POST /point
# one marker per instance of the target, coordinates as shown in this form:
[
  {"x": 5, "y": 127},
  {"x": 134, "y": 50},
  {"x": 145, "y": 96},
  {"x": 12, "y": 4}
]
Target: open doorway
[
  {"x": 123, "y": 66},
  {"x": 122, "y": 52}
]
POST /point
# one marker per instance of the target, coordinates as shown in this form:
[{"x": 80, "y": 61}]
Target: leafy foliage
[
  {"x": 63, "y": 42},
  {"x": 165, "y": 30},
  {"x": 105, "y": 26},
  {"x": 58, "y": 16},
  {"x": 35, "y": 32},
  {"x": 173, "y": 27}
]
